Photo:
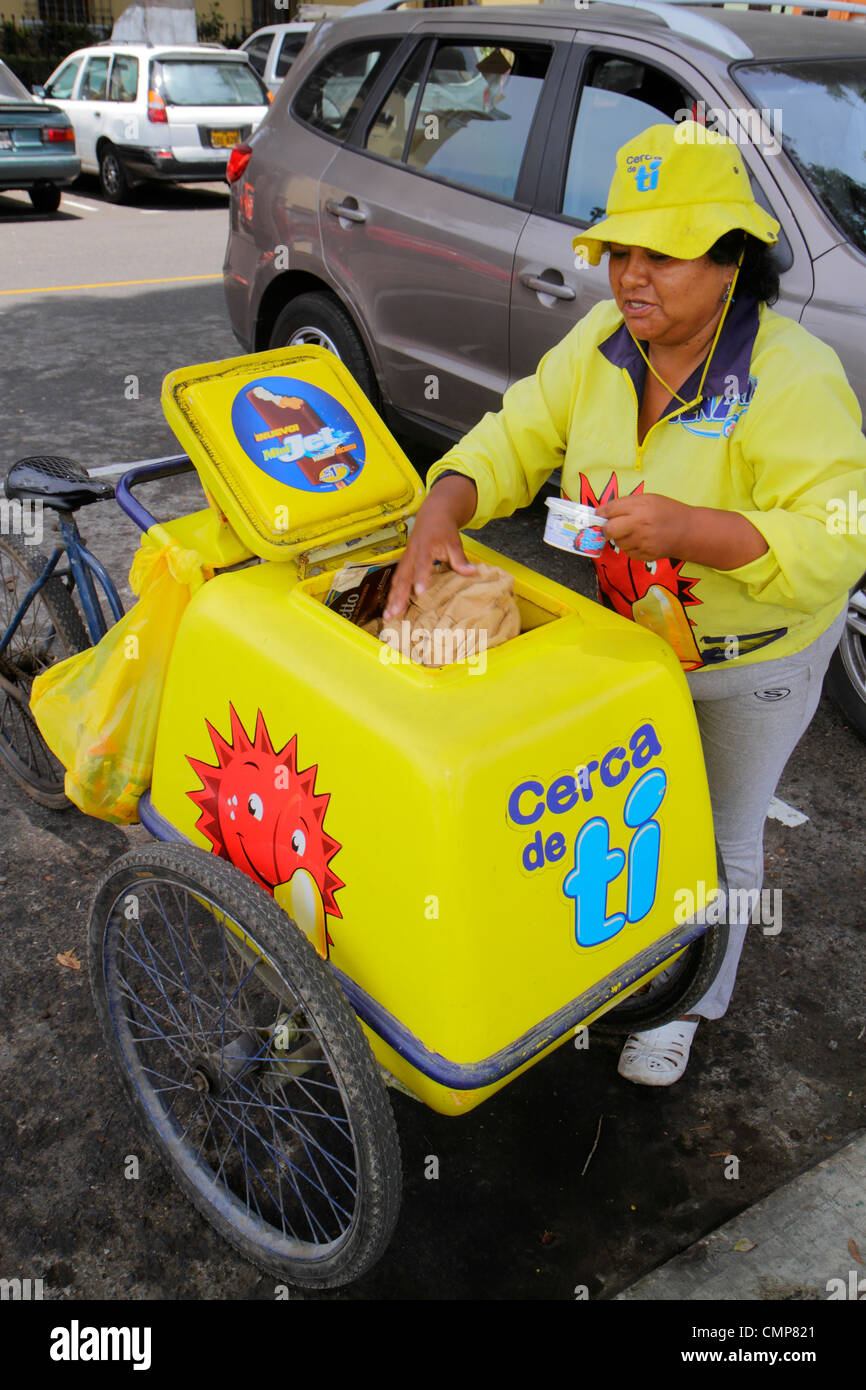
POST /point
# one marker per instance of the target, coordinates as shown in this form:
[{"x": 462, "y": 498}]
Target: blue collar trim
[{"x": 732, "y": 356}]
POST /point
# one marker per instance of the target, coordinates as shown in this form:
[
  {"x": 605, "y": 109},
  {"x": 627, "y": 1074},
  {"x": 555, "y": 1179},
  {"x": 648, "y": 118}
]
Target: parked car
[
  {"x": 164, "y": 112},
  {"x": 411, "y": 198},
  {"x": 37, "y": 145},
  {"x": 272, "y": 50}
]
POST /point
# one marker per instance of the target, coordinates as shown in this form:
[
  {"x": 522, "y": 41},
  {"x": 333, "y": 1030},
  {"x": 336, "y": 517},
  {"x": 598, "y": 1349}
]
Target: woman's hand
[
  {"x": 646, "y": 526},
  {"x": 435, "y": 536}
]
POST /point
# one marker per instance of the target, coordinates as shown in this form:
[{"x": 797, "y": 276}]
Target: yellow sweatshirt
[{"x": 775, "y": 436}]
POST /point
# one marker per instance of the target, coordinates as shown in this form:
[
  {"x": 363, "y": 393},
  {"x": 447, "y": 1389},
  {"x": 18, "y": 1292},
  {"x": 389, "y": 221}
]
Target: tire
[
  {"x": 689, "y": 979},
  {"x": 845, "y": 681},
  {"x": 50, "y": 631},
  {"x": 321, "y": 321},
  {"x": 304, "y": 1183},
  {"x": 113, "y": 178},
  {"x": 45, "y": 197}
]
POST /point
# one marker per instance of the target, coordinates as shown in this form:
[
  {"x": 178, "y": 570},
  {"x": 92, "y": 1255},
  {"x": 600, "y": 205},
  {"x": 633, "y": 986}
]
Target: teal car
[{"x": 37, "y": 145}]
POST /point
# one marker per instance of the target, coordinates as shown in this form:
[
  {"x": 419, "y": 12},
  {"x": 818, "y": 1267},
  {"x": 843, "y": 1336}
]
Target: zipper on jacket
[{"x": 665, "y": 419}]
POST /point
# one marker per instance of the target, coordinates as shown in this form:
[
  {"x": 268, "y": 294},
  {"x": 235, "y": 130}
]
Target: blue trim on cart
[{"x": 471, "y": 1076}]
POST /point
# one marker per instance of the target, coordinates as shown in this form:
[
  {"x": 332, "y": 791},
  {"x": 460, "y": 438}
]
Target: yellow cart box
[{"x": 487, "y": 853}]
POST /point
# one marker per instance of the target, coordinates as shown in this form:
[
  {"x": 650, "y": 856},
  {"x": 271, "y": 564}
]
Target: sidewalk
[{"x": 791, "y": 1245}]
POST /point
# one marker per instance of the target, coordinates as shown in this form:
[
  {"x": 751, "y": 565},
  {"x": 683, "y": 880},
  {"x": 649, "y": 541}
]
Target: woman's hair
[{"x": 758, "y": 275}]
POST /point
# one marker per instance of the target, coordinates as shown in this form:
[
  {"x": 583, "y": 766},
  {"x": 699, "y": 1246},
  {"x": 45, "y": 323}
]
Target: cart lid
[{"x": 289, "y": 449}]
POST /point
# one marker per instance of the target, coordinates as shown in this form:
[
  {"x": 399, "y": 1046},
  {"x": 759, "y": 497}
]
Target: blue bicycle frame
[{"x": 84, "y": 567}]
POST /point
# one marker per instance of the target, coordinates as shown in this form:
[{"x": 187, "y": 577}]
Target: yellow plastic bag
[{"x": 98, "y": 710}]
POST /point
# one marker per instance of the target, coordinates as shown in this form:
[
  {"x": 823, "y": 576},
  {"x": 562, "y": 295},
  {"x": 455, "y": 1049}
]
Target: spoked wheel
[
  {"x": 49, "y": 631},
  {"x": 246, "y": 1063}
]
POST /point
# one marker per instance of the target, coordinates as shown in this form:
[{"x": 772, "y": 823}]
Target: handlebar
[{"x": 149, "y": 472}]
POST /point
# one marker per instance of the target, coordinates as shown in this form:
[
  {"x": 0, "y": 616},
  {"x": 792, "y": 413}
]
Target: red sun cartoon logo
[
  {"x": 263, "y": 814},
  {"x": 623, "y": 581},
  {"x": 653, "y": 593}
]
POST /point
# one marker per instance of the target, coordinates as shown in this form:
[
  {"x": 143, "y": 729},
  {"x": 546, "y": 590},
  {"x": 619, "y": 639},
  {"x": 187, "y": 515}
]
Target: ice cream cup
[{"x": 572, "y": 526}]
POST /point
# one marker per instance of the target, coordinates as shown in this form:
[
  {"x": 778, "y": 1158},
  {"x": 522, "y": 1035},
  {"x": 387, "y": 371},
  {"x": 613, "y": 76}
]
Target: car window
[
  {"x": 620, "y": 98},
  {"x": 10, "y": 88},
  {"x": 63, "y": 83},
  {"x": 473, "y": 119},
  {"x": 124, "y": 78},
  {"x": 207, "y": 82},
  {"x": 390, "y": 127},
  {"x": 94, "y": 83},
  {"x": 824, "y": 129},
  {"x": 332, "y": 96},
  {"x": 291, "y": 47},
  {"x": 257, "y": 51}
]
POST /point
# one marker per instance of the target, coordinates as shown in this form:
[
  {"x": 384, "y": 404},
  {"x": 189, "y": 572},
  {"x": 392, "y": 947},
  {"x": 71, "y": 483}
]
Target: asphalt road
[{"x": 568, "y": 1177}]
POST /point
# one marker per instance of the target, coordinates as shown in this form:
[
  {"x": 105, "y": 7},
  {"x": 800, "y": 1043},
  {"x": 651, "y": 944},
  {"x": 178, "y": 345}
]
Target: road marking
[
  {"x": 110, "y": 284},
  {"x": 788, "y": 815},
  {"x": 87, "y": 207}
]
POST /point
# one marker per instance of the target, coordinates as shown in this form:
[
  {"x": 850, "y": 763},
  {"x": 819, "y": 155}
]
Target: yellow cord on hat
[{"x": 729, "y": 297}]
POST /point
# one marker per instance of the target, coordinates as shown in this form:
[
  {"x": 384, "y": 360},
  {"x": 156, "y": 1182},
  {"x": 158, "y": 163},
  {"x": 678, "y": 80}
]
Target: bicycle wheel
[
  {"x": 49, "y": 631},
  {"x": 246, "y": 1064}
]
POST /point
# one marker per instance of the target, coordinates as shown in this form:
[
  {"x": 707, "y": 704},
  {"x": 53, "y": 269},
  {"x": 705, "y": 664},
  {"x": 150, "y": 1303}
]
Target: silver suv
[
  {"x": 411, "y": 198},
  {"x": 144, "y": 111}
]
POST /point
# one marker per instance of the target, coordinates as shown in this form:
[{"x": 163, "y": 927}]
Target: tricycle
[{"x": 366, "y": 872}]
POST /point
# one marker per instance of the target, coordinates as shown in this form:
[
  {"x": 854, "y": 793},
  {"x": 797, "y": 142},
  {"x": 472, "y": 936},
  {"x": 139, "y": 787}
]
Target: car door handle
[
  {"x": 344, "y": 210},
  {"x": 542, "y": 286}
]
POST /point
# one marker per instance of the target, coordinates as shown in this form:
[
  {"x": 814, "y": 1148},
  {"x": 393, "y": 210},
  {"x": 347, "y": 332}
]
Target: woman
[{"x": 712, "y": 434}]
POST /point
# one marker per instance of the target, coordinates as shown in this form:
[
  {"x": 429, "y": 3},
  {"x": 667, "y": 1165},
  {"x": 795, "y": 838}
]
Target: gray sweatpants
[{"x": 751, "y": 719}]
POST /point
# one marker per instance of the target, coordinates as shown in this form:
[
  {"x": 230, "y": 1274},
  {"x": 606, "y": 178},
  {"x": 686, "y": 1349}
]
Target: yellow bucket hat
[{"x": 676, "y": 190}]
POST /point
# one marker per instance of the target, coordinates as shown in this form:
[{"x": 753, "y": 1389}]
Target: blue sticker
[{"x": 297, "y": 434}]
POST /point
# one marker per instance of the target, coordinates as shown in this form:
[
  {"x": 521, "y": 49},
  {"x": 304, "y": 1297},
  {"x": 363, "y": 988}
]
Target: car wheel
[
  {"x": 45, "y": 197},
  {"x": 319, "y": 320},
  {"x": 113, "y": 178},
  {"x": 845, "y": 681}
]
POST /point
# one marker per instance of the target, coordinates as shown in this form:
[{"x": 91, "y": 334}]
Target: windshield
[
  {"x": 10, "y": 88},
  {"x": 821, "y": 104},
  {"x": 212, "y": 82}
]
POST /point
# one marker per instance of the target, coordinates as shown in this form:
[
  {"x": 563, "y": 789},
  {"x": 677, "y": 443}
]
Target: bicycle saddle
[{"x": 56, "y": 482}]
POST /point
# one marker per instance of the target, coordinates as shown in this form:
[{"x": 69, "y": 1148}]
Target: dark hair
[{"x": 758, "y": 274}]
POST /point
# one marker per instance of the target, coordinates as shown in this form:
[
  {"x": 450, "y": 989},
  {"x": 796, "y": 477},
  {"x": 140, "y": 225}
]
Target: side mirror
[{"x": 38, "y": 91}]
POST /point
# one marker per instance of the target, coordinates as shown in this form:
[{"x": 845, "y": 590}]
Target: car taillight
[
  {"x": 238, "y": 161},
  {"x": 58, "y": 134},
  {"x": 156, "y": 108}
]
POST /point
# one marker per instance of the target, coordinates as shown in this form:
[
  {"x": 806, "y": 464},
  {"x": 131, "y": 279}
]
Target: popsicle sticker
[{"x": 298, "y": 434}]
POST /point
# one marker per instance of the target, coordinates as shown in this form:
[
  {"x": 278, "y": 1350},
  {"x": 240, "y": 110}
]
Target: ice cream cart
[{"x": 367, "y": 871}]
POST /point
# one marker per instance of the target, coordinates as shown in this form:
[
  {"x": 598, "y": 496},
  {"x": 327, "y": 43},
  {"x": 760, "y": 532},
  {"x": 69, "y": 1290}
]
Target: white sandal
[{"x": 659, "y": 1056}]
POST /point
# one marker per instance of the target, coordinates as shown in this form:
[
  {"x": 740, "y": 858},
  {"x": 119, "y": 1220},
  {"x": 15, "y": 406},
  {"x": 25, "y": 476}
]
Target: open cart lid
[{"x": 289, "y": 449}]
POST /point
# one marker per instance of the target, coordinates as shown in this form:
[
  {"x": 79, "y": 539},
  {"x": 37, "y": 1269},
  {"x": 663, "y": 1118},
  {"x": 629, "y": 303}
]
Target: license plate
[
  {"x": 224, "y": 139},
  {"x": 5, "y": 139}
]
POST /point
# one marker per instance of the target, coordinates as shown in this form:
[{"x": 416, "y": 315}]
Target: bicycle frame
[{"x": 84, "y": 568}]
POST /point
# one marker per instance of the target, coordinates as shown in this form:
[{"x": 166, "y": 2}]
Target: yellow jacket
[{"x": 775, "y": 435}]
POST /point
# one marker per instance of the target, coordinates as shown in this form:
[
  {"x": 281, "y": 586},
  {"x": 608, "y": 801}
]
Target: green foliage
[
  {"x": 211, "y": 27},
  {"x": 34, "y": 52}
]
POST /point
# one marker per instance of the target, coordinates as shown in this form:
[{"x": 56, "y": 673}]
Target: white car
[
  {"x": 272, "y": 50},
  {"x": 144, "y": 111}
]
